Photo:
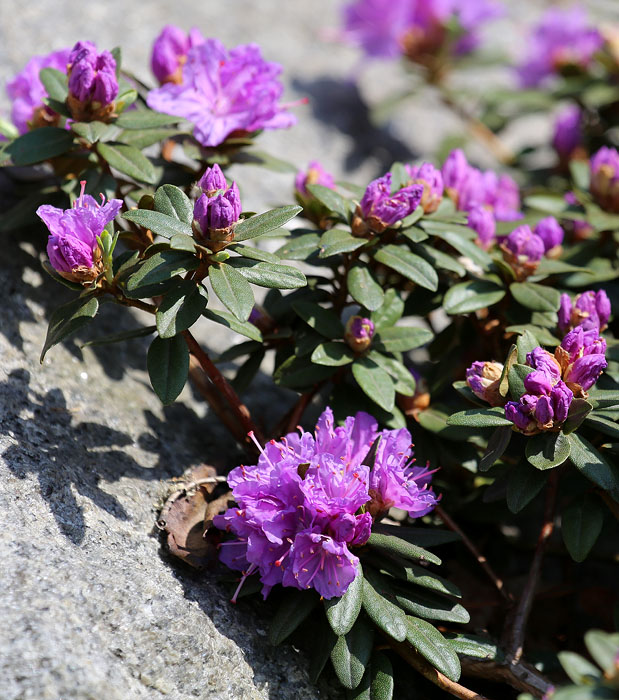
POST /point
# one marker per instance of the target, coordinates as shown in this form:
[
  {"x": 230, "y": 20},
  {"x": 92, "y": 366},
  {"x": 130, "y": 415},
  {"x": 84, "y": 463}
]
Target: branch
[
  {"x": 481, "y": 559},
  {"x": 520, "y": 675}
]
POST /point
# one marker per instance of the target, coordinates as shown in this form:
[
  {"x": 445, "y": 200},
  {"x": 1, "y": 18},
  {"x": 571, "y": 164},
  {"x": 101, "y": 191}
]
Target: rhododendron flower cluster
[
  {"x": 590, "y": 310},
  {"x": 311, "y": 499},
  {"x": 93, "y": 86},
  {"x": 380, "y": 207},
  {"x": 432, "y": 181},
  {"x": 224, "y": 92},
  {"x": 217, "y": 209}
]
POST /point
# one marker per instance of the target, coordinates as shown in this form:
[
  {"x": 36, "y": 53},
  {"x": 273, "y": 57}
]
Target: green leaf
[
  {"x": 547, "y": 450},
  {"x": 295, "y": 608},
  {"x": 128, "y": 160},
  {"x": 55, "y": 82},
  {"x": 325, "y": 321},
  {"x": 476, "y": 647},
  {"x": 336, "y": 241},
  {"x": 457, "y": 240},
  {"x": 439, "y": 259},
  {"x": 578, "y": 411},
  {"x": 516, "y": 375},
  {"x": 424, "y": 537},
  {"x": 323, "y": 645},
  {"x": 544, "y": 336},
  {"x": 364, "y": 288},
  {"x": 551, "y": 204},
  {"x": 603, "y": 648},
  {"x": 592, "y": 465},
  {"x": 381, "y": 687},
  {"x": 232, "y": 289},
  {"x": 411, "y": 266},
  {"x": 480, "y": 418},
  {"x": 465, "y": 297},
  {"x": 383, "y": 613},
  {"x": 430, "y": 606},
  {"x": 244, "y": 328},
  {"x": 351, "y": 653},
  {"x": 266, "y": 274},
  {"x": 401, "y": 338},
  {"x": 263, "y": 223},
  {"x": 526, "y": 343},
  {"x": 603, "y": 425},
  {"x": 69, "y": 318},
  {"x": 180, "y": 308},
  {"x": 431, "y": 644},
  {"x": 161, "y": 267},
  {"x": 39, "y": 145},
  {"x": 332, "y": 354},
  {"x": 580, "y": 671},
  {"x": 391, "y": 311},
  {"x": 499, "y": 440},
  {"x": 404, "y": 382},
  {"x": 414, "y": 234},
  {"x": 419, "y": 576},
  {"x": 548, "y": 266},
  {"x": 331, "y": 200},
  {"x": 603, "y": 398},
  {"x": 173, "y": 202},
  {"x": 374, "y": 382},
  {"x": 119, "y": 337},
  {"x": 143, "y": 139},
  {"x": 162, "y": 224},
  {"x": 90, "y": 131},
  {"x": 254, "y": 253},
  {"x": 342, "y": 612},
  {"x": 181, "y": 241},
  {"x": 168, "y": 367},
  {"x": 536, "y": 297},
  {"x": 523, "y": 485},
  {"x": 145, "y": 119},
  {"x": 299, "y": 248},
  {"x": 300, "y": 372},
  {"x": 581, "y": 524},
  {"x": 395, "y": 545}
]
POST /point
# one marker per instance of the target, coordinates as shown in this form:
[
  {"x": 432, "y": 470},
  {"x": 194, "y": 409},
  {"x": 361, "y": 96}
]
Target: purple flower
[
  {"x": 93, "y": 86},
  {"x": 519, "y": 413},
  {"x": 297, "y": 513},
  {"x": 455, "y": 170},
  {"x": 542, "y": 360},
  {"x": 72, "y": 246},
  {"x": 315, "y": 175},
  {"x": 214, "y": 218},
  {"x": 483, "y": 379},
  {"x": 562, "y": 39},
  {"x": 589, "y": 310},
  {"x": 212, "y": 181},
  {"x": 523, "y": 250},
  {"x": 568, "y": 132},
  {"x": 582, "y": 358},
  {"x": 27, "y": 91},
  {"x": 359, "y": 333},
  {"x": 225, "y": 92},
  {"x": 605, "y": 178},
  {"x": 378, "y": 25},
  {"x": 170, "y": 52},
  {"x": 432, "y": 181},
  {"x": 481, "y": 220},
  {"x": 550, "y": 231},
  {"x": 379, "y": 208},
  {"x": 502, "y": 195}
]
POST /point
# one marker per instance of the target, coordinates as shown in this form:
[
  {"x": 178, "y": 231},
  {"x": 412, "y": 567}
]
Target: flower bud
[
  {"x": 72, "y": 246},
  {"x": 483, "y": 379},
  {"x": 315, "y": 175},
  {"x": 212, "y": 181},
  {"x": 551, "y": 233},
  {"x": 455, "y": 171},
  {"x": 214, "y": 218},
  {"x": 568, "y": 138},
  {"x": 589, "y": 310},
  {"x": 519, "y": 413},
  {"x": 379, "y": 208},
  {"x": 542, "y": 360},
  {"x": 431, "y": 180},
  {"x": 605, "y": 178},
  {"x": 523, "y": 250},
  {"x": 170, "y": 53},
  {"x": 481, "y": 220},
  {"x": 358, "y": 334},
  {"x": 93, "y": 86}
]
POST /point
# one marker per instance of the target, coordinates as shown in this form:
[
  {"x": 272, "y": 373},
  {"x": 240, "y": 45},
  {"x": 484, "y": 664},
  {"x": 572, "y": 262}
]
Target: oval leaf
[
  {"x": 363, "y": 288},
  {"x": 69, "y": 318},
  {"x": 342, "y": 612},
  {"x": 128, "y": 160},
  {"x": 409, "y": 265},
  {"x": 295, "y": 608},
  {"x": 536, "y": 297},
  {"x": 396, "y": 545},
  {"x": 180, "y": 308},
  {"x": 377, "y": 604},
  {"x": 161, "y": 267},
  {"x": 581, "y": 524},
  {"x": 471, "y": 296},
  {"x": 162, "y": 224},
  {"x": 39, "y": 145},
  {"x": 174, "y": 202},
  {"x": 351, "y": 654},
  {"x": 547, "y": 450},
  {"x": 374, "y": 382},
  {"x": 480, "y": 418},
  {"x": 523, "y": 485},
  {"x": 263, "y": 223},
  {"x": 431, "y": 644},
  {"x": 402, "y": 338},
  {"x": 168, "y": 367},
  {"x": 332, "y": 354},
  {"x": 232, "y": 289}
]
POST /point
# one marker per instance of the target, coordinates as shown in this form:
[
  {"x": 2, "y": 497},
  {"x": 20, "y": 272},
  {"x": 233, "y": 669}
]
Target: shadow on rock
[{"x": 339, "y": 104}]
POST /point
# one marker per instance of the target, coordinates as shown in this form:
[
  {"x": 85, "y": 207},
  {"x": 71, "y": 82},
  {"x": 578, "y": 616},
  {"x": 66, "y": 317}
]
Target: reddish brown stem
[
  {"x": 481, "y": 559},
  {"x": 238, "y": 408}
]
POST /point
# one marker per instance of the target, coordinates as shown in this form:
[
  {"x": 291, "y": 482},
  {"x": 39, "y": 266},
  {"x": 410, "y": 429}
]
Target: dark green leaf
[
  {"x": 229, "y": 321},
  {"x": 578, "y": 411},
  {"x": 128, "y": 160},
  {"x": 395, "y": 545},
  {"x": 69, "y": 318},
  {"x": 143, "y": 139},
  {"x": 581, "y": 524},
  {"x": 526, "y": 343},
  {"x": 180, "y": 308},
  {"x": 374, "y": 382},
  {"x": 419, "y": 576},
  {"x": 476, "y": 647},
  {"x": 333, "y": 354},
  {"x": 168, "y": 367},
  {"x": 351, "y": 653},
  {"x": 603, "y": 425},
  {"x": 603, "y": 398},
  {"x": 322, "y": 320},
  {"x": 465, "y": 297},
  {"x": 161, "y": 267},
  {"x": 263, "y": 223},
  {"x": 536, "y": 297},
  {"x": 499, "y": 440},
  {"x": 119, "y": 337},
  {"x": 266, "y": 274},
  {"x": 331, "y": 200},
  {"x": 162, "y": 224},
  {"x": 39, "y": 145},
  {"x": 523, "y": 485},
  {"x": 414, "y": 234},
  {"x": 232, "y": 289},
  {"x": 516, "y": 376},
  {"x": 423, "y": 537},
  {"x": 55, "y": 83},
  {"x": 462, "y": 244},
  {"x": 401, "y": 338},
  {"x": 363, "y": 288},
  {"x": 592, "y": 465},
  {"x": 336, "y": 242},
  {"x": 404, "y": 382},
  {"x": 295, "y": 608},
  {"x": 181, "y": 241},
  {"x": 145, "y": 119},
  {"x": 391, "y": 311},
  {"x": 173, "y": 202},
  {"x": 377, "y": 604},
  {"x": 439, "y": 259},
  {"x": 544, "y": 336},
  {"x": 429, "y": 605},
  {"x": 90, "y": 131},
  {"x": 480, "y": 418},
  {"x": 411, "y": 266},
  {"x": 300, "y": 372},
  {"x": 321, "y": 651},
  {"x": 254, "y": 253},
  {"x": 299, "y": 248},
  {"x": 381, "y": 687},
  {"x": 431, "y": 644},
  {"x": 342, "y": 612},
  {"x": 547, "y": 450}
]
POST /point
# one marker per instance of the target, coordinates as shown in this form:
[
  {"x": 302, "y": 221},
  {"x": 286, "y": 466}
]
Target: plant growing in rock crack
[{"x": 390, "y": 309}]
